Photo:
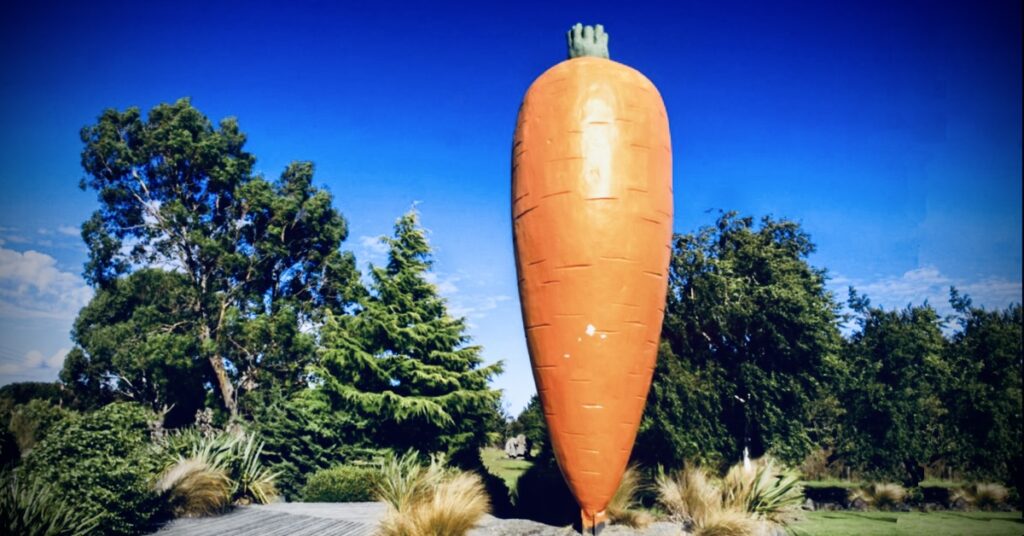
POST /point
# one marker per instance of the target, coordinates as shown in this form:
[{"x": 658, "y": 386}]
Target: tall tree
[
  {"x": 138, "y": 340},
  {"x": 404, "y": 364},
  {"x": 896, "y": 422},
  {"x": 984, "y": 398},
  {"x": 260, "y": 258},
  {"x": 750, "y": 347}
]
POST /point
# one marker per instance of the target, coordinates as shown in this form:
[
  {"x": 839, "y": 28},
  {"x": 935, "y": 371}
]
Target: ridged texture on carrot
[{"x": 592, "y": 224}]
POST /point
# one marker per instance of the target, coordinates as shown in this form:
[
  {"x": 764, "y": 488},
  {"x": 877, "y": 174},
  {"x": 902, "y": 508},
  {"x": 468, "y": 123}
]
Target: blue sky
[{"x": 890, "y": 130}]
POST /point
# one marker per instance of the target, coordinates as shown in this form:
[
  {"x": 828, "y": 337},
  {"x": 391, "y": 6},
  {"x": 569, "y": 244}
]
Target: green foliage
[
  {"x": 984, "y": 395},
  {"x": 138, "y": 339},
  {"x": 403, "y": 366},
  {"x": 17, "y": 393},
  {"x": 29, "y": 507},
  {"x": 751, "y": 347},
  {"x": 32, "y": 421},
  {"x": 748, "y": 500},
  {"x": 20, "y": 393},
  {"x": 896, "y": 420},
  {"x": 765, "y": 489},
  {"x": 257, "y": 258},
  {"x": 236, "y": 453},
  {"x": 303, "y": 434},
  {"x": 531, "y": 423},
  {"x": 344, "y": 483},
  {"x": 100, "y": 464}
]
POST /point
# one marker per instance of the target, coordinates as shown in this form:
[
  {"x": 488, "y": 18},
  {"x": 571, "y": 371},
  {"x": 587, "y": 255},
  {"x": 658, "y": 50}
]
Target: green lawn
[
  {"x": 499, "y": 465},
  {"x": 911, "y": 524}
]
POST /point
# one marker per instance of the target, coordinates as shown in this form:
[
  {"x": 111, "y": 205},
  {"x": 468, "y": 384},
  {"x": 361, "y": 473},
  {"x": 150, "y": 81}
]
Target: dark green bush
[
  {"x": 344, "y": 483},
  {"x": 100, "y": 464},
  {"x": 30, "y": 422},
  {"x": 302, "y": 436},
  {"x": 829, "y": 491}
]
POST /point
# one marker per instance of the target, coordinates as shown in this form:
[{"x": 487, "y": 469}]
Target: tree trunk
[{"x": 227, "y": 391}]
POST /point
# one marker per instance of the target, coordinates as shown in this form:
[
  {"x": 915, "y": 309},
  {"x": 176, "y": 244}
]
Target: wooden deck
[{"x": 300, "y": 519}]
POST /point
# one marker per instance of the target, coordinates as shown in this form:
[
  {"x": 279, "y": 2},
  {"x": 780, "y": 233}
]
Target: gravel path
[{"x": 359, "y": 519}]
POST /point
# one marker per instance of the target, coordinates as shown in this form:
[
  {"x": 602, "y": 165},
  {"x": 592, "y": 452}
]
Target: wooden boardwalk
[{"x": 300, "y": 519}]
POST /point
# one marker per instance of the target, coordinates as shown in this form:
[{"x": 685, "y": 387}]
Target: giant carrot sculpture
[{"x": 592, "y": 224}]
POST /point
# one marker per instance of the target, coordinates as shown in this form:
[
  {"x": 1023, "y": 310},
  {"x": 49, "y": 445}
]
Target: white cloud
[
  {"x": 69, "y": 230},
  {"x": 445, "y": 283},
  {"x": 373, "y": 245},
  {"x": 929, "y": 283},
  {"x": 475, "y": 307},
  {"x": 31, "y": 286},
  {"x": 34, "y": 360}
]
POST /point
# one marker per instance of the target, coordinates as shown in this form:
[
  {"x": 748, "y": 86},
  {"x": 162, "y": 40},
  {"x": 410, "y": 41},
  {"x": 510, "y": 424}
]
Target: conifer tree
[{"x": 403, "y": 364}]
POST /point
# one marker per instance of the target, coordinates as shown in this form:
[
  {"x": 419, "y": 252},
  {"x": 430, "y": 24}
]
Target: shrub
[
  {"x": 30, "y": 422},
  {"x": 193, "y": 487},
  {"x": 403, "y": 480},
  {"x": 9, "y": 454},
  {"x": 99, "y": 464},
  {"x": 431, "y": 501},
  {"x": 30, "y": 508},
  {"x": 984, "y": 496},
  {"x": 303, "y": 434},
  {"x": 884, "y": 496},
  {"x": 624, "y": 505},
  {"x": 689, "y": 495},
  {"x": 344, "y": 483},
  {"x": 748, "y": 500},
  {"x": 763, "y": 489},
  {"x": 253, "y": 481},
  {"x": 237, "y": 454},
  {"x": 820, "y": 465},
  {"x": 829, "y": 491}
]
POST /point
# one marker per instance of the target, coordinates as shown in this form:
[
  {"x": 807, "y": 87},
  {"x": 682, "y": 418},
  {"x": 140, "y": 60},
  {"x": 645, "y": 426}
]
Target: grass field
[
  {"x": 911, "y": 524},
  {"x": 499, "y": 465}
]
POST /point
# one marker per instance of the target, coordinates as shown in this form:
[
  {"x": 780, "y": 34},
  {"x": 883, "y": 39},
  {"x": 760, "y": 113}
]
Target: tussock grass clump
[
  {"x": 881, "y": 495},
  {"x": 429, "y": 501},
  {"x": 194, "y": 488},
  {"x": 983, "y": 496},
  {"x": 731, "y": 523},
  {"x": 689, "y": 494},
  {"x": 624, "y": 507},
  {"x": 764, "y": 489},
  {"x": 206, "y": 472},
  {"x": 748, "y": 501},
  {"x": 30, "y": 507}
]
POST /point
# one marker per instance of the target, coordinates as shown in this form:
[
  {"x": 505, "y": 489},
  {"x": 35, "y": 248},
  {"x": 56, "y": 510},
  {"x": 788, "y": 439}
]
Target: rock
[
  {"x": 517, "y": 447},
  {"x": 809, "y": 505}
]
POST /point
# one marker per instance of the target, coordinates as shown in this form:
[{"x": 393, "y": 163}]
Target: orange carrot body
[{"x": 592, "y": 224}]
